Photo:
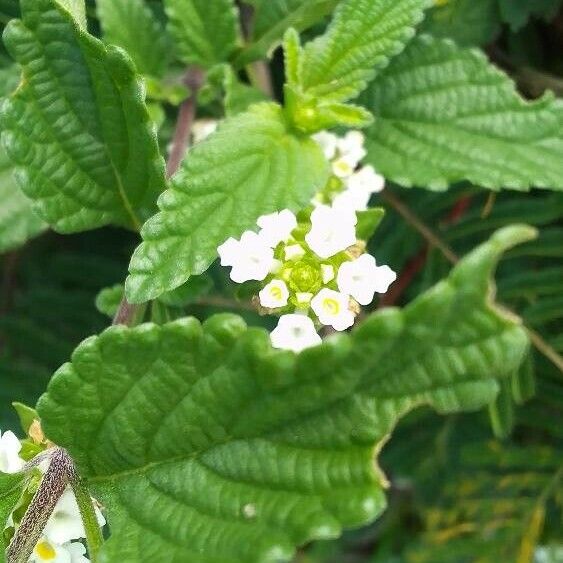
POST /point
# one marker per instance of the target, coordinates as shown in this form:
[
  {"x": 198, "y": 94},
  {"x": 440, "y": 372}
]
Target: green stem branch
[{"x": 94, "y": 538}]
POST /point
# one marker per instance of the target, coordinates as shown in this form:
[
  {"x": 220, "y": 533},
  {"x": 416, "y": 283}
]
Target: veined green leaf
[
  {"x": 251, "y": 166},
  {"x": 444, "y": 114},
  {"x": 10, "y": 492},
  {"x": 361, "y": 39},
  {"x": 132, "y": 25},
  {"x": 18, "y": 223},
  {"x": 206, "y": 445},
  {"x": 77, "y": 129},
  {"x": 78, "y": 10},
  {"x": 273, "y": 17},
  {"x": 467, "y": 22},
  {"x": 206, "y": 33}
]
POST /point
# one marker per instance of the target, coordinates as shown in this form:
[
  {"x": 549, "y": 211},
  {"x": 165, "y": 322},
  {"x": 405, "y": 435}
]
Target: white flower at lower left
[{"x": 51, "y": 552}]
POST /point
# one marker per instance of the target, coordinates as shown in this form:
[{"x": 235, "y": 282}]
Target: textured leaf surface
[
  {"x": 206, "y": 445},
  {"x": 10, "y": 491},
  {"x": 206, "y": 33},
  {"x": 131, "y": 24},
  {"x": 445, "y": 114},
  {"x": 273, "y": 17},
  {"x": 361, "y": 39},
  {"x": 467, "y": 22},
  {"x": 77, "y": 128},
  {"x": 18, "y": 223},
  {"x": 250, "y": 167}
]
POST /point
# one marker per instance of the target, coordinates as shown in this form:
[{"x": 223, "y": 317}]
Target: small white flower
[
  {"x": 344, "y": 166},
  {"x": 274, "y": 295},
  {"x": 46, "y": 550},
  {"x": 366, "y": 179},
  {"x": 327, "y": 142},
  {"x": 332, "y": 308},
  {"x": 359, "y": 187},
  {"x": 77, "y": 552},
  {"x": 202, "y": 128},
  {"x": 327, "y": 272},
  {"x": 303, "y": 297},
  {"x": 333, "y": 229},
  {"x": 352, "y": 146},
  {"x": 356, "y": 200},
  {"x": 277, "y": 227},
  {"x": 251, "y": 258},
  {"x": 295, "y": 332},
  {"x": 294, "y": 252},
  {"x": 10, "y": 446},
  {"x": 65, "y": 523},
  {"x": 361, "y": 278}
]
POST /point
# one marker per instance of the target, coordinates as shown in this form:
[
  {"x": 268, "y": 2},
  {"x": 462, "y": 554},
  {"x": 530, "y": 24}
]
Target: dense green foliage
[{"x": 202, "y": 442}]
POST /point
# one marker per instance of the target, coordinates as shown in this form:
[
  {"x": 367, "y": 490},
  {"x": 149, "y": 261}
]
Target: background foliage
[{"x": 473, "y": 487}]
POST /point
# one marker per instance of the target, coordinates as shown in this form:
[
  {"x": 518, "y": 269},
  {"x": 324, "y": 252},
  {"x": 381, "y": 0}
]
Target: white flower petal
[
  {"x": 274, "y": 295},
  {"x": 366, "y": 179},
  {"x": 333, "y": 229},
  {"x": 295, "y": 332},
  {"x": 202, "y": 128},
  {"x": 294, "y": 252},
  {"x": 327, "y": 272},
  {"x": 77, "y": 552},
  {"x": 327, "y": 142},
  {"x": 332, "y": 309},
  {"x": 355, "y": 200},
  {"x": 10, "y": 446},
  {"x": 51, "y": 552},
  {"x": 65, "y": 523},
  {"x": 277, "y": 227},
  {"x": 351, "y": 146},
  {"x": 251, "y": 258},
  {"x": 362, "y": 278}
]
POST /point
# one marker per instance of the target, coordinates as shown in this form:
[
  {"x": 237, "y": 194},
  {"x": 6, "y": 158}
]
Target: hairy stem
[
  {"x": 129, "y": 314},
  {"x": 61, "y": 471},
  {"x": 94, "y": 538}
]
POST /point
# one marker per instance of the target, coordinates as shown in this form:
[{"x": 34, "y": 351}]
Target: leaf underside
[
  {"x": 206, "y": 445},
  {"x": 251, "y": 166},
  {"x": 444, "y": 114},
  {"x": 77, "y": 128}
]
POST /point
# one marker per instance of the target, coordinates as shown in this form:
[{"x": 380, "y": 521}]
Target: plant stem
[
  {"x": 425, "y": 231},
  {"x": 540, "y": 344},
  {"x": 60, "y": 472},
  {"x": 186, "y": 116},
  {"x": 129, "y": 314},
  {"x": 94, "y": 538}
]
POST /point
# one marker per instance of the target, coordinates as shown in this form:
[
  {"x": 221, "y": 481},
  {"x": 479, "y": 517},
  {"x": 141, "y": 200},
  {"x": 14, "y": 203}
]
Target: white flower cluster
[
  {"x": 58, "y": 543},
  {"x": 313, "y": 270}
]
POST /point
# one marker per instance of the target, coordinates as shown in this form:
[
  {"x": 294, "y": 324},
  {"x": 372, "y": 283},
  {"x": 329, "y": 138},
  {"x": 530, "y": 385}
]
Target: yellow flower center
[
  {"x": 45, "y": 550},
  {"x": 276, "y": 292},
  {"x": 331, "y": 306}
]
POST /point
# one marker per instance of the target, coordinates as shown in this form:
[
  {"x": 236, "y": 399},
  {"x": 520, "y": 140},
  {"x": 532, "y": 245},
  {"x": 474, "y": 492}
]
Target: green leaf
[
  {"x": 206, "y": 445},
  {"x": 11, "y": 486},
  {"x": 251, "y": 166},
  {"x": 188, "y": 292},
  {"x": 361, "y": 39},
  {"x": 517, "y": 12},
  {"x": 206, "y": 33},
  {"x": 368, "y": 221},
  {"x": 444, "y": 114},
  {"x": 131, "y": 24},
  {"x": 239, "y": 96},
  {"x": 78, "y": 10},
  {"x": 77, "y": 129},
  {"x": 18, "y": 223},
  {"x": 273, "y": 17},
  {"x": 467, "y": 22},
  {"x": 109, "y": 299},
  {"x": 26, "y": 415}
]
